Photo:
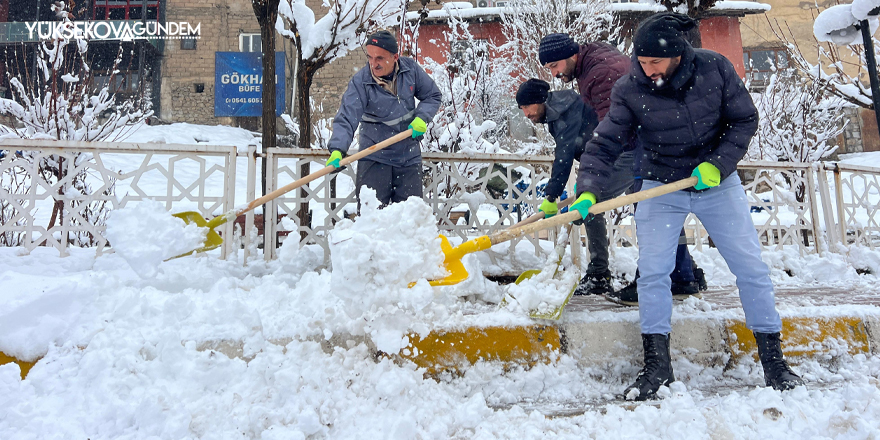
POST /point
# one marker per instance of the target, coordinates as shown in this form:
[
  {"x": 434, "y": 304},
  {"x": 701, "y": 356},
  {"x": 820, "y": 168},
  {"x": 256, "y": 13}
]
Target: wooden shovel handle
[
  {"x": 572, "y": 215},
  {"x": 324, "y": 171}
]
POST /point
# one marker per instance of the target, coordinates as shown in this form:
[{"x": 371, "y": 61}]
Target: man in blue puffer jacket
[
  {"x": 381, "y": 98},
  {"x": 694, "y": 117}
]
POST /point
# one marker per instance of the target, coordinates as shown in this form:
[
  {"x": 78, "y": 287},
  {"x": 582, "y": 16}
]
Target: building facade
[
  {"x": 764, "y": 51},
  {"x": 179, "y": 74}
]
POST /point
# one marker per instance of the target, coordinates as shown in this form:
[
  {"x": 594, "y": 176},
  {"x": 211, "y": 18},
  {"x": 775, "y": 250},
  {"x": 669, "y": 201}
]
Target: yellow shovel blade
[
  {"x": 452, "y": 263},
  {"x": 212, "y": 239},
  {"x": 526, "y": 275}
]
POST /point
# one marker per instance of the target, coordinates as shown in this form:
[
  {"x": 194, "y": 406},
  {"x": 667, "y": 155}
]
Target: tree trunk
[
  {"x": 304, "y": 76},
  {"x": 266, "y": 12},
  {"x": 303, "y": 85}
]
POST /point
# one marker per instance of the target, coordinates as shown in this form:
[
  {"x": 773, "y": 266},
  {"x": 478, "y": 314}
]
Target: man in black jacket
[
  {"x": 694, "y": 117},
  {"x": 571, "y": 123}
]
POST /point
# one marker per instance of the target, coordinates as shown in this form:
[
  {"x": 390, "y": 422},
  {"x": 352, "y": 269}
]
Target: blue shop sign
[{"x": 238, "y": 83}]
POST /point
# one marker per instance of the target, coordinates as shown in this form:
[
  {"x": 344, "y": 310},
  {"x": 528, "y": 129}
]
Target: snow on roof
[
  {"x": 643, "y": 6},
  {"x": 650, "y": 6}
]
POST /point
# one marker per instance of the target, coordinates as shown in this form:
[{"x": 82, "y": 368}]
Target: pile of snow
[
  {"x": 124, "y": 356},
  {"x": 374, "y": 261},
  {"x": 545, "y": 291},
  {"x": 146, "y": 234},
  {"x": 193, "y": 134}
]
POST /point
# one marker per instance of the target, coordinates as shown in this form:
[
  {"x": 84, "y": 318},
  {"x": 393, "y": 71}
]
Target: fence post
[
  {"x": 841, "y": 212},
  {"x": 814, "y": 209},
  {"x": 251, "y": 195},
  {"x": 827, "y": 206},
  {"x": 269, "y": 235}
]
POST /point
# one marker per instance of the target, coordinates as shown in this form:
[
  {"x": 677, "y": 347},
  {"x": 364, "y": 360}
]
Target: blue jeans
[{"x": 724, "y": 212}]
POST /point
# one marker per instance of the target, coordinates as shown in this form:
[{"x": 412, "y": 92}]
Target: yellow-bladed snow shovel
[
  {"x": 213, "y": 239},
  {"x": 531, "y": 219},
  {"x": 452, "y": 261},
  {"x": 556, "y": 313}
]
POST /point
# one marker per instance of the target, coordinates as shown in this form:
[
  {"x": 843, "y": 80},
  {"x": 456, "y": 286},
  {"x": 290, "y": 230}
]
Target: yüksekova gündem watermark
[{"x": 112, "y": 30}]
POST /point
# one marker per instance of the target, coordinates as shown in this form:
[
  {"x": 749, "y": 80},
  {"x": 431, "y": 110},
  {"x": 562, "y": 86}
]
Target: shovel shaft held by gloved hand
[
  {"x": 453, "y": 264},
  {"x": 214, "y": 239},
  {"x": 540, "y": 214}
]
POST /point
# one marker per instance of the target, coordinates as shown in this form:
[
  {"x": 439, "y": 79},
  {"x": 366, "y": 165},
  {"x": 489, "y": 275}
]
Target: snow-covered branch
[
  {"x": 800, "y": 120},
  {"x": 64, "y": 103},
  {"x": 525, "y": 22},
  {"x": 840, "y": 68}
]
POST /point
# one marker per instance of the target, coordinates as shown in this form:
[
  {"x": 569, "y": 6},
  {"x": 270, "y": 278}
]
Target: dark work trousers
[
  {"x": 684, "y": 263},
  {"x": 620, "y": 181},
  {"x": 392, "y": 184}
]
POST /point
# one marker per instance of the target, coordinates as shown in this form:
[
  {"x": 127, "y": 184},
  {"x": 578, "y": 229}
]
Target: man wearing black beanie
[
  {"x": 597, "y": 66},
  {"x": 694, "y": 118},
  {"x": 381, "y": 100},
  {"x": 571, "y": 123}
]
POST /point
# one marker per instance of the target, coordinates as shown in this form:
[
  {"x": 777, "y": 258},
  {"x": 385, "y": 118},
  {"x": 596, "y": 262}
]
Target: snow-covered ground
[{"x": 121, "y": 343}]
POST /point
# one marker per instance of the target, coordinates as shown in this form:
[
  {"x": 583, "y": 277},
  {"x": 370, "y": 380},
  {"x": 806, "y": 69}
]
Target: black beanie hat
[
  {"x": 555, "y": 47},
  {"x": 660, "y": 35},
  {"x": 533, "y": 91},
  {"x": 383, "y": 39}
]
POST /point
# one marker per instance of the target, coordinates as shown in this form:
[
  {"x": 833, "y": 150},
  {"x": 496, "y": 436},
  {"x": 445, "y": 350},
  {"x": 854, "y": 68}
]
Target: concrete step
[{"x": 817, "y": 323}]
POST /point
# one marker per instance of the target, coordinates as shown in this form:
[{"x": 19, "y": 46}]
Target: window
[
  {"x": 250, "y": 43},
  {"x": 123, "y": 82},
  {"x": 760, "y": 64},
  {"x": 188, "y": 43},
  {"x": 125, "y": 9}
]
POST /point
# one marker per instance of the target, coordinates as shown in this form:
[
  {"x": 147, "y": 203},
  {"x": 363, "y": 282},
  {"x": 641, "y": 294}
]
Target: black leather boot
[
  {"x": 657, "y": 370},
  {"x": 777, "y": 373}
]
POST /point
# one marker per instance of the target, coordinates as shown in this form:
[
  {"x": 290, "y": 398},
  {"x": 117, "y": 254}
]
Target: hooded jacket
[
  {"x": 703, "y": 113},
  {"x": 571, "y": 123},
  {"x": 381, "y": 114},
  {"x": 599, "y": 66}
]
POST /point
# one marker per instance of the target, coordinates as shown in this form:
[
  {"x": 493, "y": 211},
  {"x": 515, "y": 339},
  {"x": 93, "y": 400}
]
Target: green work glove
[
  {"x": 418, "y": 126},
  {"x": 708, "y": 176},
  {"x": 335, "y": 157},
  {"x": 583, "y": 203},
  {"x": 548, "y": 208}
]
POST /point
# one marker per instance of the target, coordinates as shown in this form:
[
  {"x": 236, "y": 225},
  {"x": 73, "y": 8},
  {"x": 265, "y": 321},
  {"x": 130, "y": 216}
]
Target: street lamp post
[{"x": 872, "y": 64}]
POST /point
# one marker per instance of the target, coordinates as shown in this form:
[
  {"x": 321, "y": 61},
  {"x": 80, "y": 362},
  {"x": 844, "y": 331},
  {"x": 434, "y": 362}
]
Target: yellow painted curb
[
  {"x": 452, "y": 350},
  {"x": 804, "y": 337},
  {"x": 24, "y": 366}
]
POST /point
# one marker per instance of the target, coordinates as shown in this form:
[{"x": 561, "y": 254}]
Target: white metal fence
[{"x": 805, "y": 205}]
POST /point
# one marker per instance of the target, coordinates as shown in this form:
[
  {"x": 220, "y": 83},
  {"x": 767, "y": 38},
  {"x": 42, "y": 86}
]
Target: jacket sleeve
[
  {"x": 428, "y": 94},
  {"x": 569, "y": 136},
  {"x": 606, "y": 145},
  {"x": 598, "y": 88},
  {"x": 347, "y": 117},
  {"x": 739, "y": 119}
]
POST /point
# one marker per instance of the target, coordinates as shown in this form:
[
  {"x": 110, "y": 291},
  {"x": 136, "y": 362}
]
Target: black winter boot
[
  {"x": 594, "y": 284},
  {"x": 700, "y": 277},
  {"x": 657, "y": 370},
  {"x": 777, "y": 373},
  {"x": 628, "y": 296}
]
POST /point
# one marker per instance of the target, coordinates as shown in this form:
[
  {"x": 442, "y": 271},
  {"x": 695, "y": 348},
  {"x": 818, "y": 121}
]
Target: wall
[
  {"x": 222, "y": 21},
  {"x": 722, "y": 34}
]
